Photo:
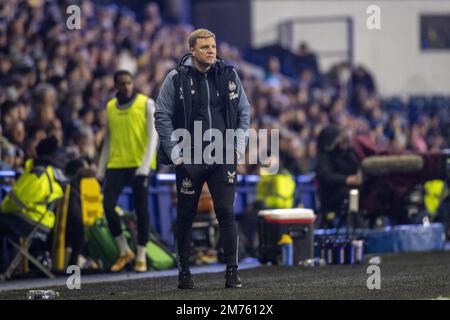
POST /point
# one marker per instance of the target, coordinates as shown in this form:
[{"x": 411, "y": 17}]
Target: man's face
[
  {"x": 47, "y": 114},
  {"x": 50, "y": 98},
  {"x": 205, "y": 51},
  {"x": 125, "y": 86},
  {"x": 19, "y": 132}
]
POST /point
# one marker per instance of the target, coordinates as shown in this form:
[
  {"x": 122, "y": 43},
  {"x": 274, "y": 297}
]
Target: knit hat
[{"x": 47, "y": 146}]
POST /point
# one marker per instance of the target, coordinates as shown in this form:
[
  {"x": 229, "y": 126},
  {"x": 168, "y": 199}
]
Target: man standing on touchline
[
  {"x": 203, "y": 91},
  {"x": 126, "y": 156}
]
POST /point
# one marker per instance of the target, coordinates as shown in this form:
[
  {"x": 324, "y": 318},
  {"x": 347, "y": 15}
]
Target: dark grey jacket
[{"x": 174, "y": 104}]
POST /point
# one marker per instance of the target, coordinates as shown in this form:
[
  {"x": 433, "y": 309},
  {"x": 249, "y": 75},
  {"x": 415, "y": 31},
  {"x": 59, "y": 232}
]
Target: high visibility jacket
[
  {"x": 31, "y": 195},
  {"x": 435, "y": 192},
  {"x": 276, "y": 191},
  {"x": 128, "y": 134}
]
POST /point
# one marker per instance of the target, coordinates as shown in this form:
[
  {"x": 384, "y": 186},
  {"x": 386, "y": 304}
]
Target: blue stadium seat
[{"x": 395, "y": 104}]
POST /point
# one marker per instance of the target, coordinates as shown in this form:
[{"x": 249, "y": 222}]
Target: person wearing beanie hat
[{"x": 338, "y": 170}]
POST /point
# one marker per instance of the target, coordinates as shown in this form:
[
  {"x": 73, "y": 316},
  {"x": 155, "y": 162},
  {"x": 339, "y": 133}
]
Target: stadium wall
[{"x": 393, "y": 53}]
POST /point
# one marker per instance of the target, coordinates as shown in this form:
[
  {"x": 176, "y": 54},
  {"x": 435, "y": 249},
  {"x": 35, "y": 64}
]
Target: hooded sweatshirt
[{"x": 207, "y": 103}]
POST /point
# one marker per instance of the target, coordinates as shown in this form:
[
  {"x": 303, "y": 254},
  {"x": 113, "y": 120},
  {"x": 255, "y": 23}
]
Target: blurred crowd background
[{"x": 55, "y": 81}]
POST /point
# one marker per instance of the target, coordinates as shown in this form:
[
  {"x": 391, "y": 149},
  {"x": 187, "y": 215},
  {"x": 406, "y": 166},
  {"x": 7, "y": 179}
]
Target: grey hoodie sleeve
[
  {"x": 165, "y": 108},
  {"x": 243, "y": 115}
]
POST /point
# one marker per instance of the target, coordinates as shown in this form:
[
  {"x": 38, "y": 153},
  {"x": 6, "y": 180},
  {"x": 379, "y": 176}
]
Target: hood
[
  {"x": 329, "y": 137},
  {"x": 186, "y": 60},
  {"x": 57, "y": 160}
]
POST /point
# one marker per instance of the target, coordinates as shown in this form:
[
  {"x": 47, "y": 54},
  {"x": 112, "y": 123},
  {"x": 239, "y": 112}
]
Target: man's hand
[
  {"x": 238, "y": 155},
  {"x": 267, "y": 164},
  {"x": 177, "y": 161},
  {"x": 100, "y": 179},
  {"x": 141, "y": 172},
  {"x": 355, "y": 179}
]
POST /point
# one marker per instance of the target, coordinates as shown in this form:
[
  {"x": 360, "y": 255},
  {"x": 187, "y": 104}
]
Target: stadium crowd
[{"x": 55, "y": 81}]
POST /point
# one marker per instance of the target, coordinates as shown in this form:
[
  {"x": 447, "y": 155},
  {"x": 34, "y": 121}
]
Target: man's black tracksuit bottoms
[
  {"x": 115, "y": 181},
  {"x": 190, "y": 179}
]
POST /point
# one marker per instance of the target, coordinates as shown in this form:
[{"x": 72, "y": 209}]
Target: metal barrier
[{"x": 162, "y": 193}]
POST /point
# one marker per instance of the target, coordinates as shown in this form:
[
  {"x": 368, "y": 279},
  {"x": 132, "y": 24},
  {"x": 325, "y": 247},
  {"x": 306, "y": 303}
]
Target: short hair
[
  {"x": 41, "y": 89},
  {"x": 199, "y": 34},
  {"x": 120, "y": 73}
]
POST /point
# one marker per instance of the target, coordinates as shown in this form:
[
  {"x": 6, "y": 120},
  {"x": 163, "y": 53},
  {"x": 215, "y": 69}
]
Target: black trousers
[
  {"x": 12, "y": 227},
  {"x": 75, "y": 227},
  {"x": 190, "y": 179},
  {"x": 115, "y": 181}
]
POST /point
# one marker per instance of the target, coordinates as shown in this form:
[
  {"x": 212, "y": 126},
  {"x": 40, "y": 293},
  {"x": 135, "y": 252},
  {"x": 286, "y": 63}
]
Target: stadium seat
[{"x": 395, "y": 104}]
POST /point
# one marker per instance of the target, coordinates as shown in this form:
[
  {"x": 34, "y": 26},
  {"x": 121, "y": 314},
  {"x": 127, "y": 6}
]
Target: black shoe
[
  {"x": 185, "y": 280},
  {"x": 232, "y": 279}
]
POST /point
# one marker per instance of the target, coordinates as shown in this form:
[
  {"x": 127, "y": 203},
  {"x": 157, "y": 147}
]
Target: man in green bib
[{"x": 126, "y": 158}]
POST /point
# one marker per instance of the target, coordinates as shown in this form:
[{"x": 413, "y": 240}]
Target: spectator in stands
[
  {"x": 364, "y": 90},
  {"x": 396, "y": 133},
  {"x": 306, "y": 59},
  {"x": 15, "y": 132},
  {"x": 417, "y": 140},
  {"x": 273, "y": 78},
  {"x": 8, "y": 156},
  {"x": 377, "y": 136},
  {"x": 311, "y": 156},
  {"x": 362, "y": 79}
]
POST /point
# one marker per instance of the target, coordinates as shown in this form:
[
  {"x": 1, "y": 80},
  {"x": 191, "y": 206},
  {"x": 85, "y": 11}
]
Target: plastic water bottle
[
  {"x": 322, "y": 254},
  {"x": 338, "y": 251},
  {"x": 315, "y": 262},
  {"x": 287, "y": 250},
  {"x": 42, "y": 294},
  {"x": 329, "y": 251},
  {"x": 349, "y": 252},
  {"x": 359, "y": 250},
  {"x": 317, "y": 247},
  {"x": 375, "y": 260}
]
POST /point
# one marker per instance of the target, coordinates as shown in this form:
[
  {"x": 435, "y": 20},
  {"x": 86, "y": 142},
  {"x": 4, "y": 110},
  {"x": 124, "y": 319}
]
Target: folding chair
[
  {"x": 59, "y": 257},
  {"x": 91, "y": 210},
  {"x": 37, "y": 231}
]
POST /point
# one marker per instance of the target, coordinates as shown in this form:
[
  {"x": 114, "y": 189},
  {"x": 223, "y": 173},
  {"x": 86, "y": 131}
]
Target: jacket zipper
[
  {"x": 184, "y": 105},
  {"x": 209, "y": 106}
]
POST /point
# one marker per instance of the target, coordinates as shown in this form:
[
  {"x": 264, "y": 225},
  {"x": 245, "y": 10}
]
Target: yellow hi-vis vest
[
  {"x": 435, "y": 192},
  {"x": 276, "y": 191},
  {"x": 128, "y": 134},
  {"x": 31, "y": 194}
]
